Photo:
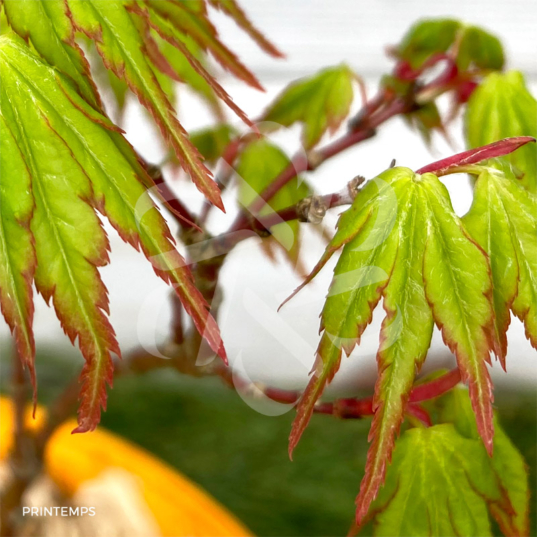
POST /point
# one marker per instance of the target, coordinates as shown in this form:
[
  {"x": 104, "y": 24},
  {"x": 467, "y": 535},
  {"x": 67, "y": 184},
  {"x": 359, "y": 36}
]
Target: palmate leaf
[
  {"x": 259, "y": 163},
  {"x": 191, "y": 19},
  {"x": 53, "y": 35},
  {"x": 426, "y": 38},
  {"x": 500, "y": 107},
  {"x": 121, "y": 46},
  {"x": 320, "y": 103},
  {"x": 402, "y": 241},
  {"x": 78, "y": 162},
  {"x": 212, "y": 141},
  {"x": 17, "y": 252},
  {"x": 121, "y": 30},
  {"x": 503, "y": 220},
  {"x": 442, "y": 482},
  {"x": 434, "y": 486},
  {"x": 507, "y": 464},
  {"x": 471, "y": 45}
]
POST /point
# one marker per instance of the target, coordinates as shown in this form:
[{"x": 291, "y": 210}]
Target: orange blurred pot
[{"x": 178, "y": 506}]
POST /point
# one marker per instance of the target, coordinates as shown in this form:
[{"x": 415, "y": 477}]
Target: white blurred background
[{"x": 278, "y": 347}]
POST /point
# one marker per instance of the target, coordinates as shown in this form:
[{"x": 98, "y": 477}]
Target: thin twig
[
  {"x": 311, "y": 209},
  {"x": 351, "y": 408},
  {"x": 301, "y": 163}
]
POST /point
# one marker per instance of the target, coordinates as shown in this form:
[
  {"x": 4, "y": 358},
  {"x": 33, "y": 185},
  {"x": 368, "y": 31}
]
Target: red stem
[
  {"x": 475, "y": 156},
  {"x": 353, "y": 408},
  {"x": 364, "y": 129},
  {"x": 435, "y": 387},
  {"x": 420, "y": 413}
]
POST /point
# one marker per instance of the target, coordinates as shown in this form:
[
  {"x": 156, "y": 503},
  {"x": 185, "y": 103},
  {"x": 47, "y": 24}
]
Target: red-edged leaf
[
  {"x": 404, "y": 340},
  {"x": 79, "y": 161},
  {"x": 167, "y": 31},
  {"x": 402, "y": 240},
  {"x": 17, "y": 253},
  {"x": 359, "y": 277},
  {"x": 459, "y": 289},
  {"x": 122, "y": 47},
  {"x": 199, "y": 28},
  {"x": 503, "y": 220}
]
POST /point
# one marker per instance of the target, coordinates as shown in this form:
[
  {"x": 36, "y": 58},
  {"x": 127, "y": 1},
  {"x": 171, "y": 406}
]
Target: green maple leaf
[
  {"x": 507, "y": 464},
  {"x": 402, "y": 241},
  {"x": 500, "y": 107},
  {"x": 479, "y": 48},
  {"x": 503, "y": 220},
  {"x": 17, "y": 252},
  {"x": 426, "y": 38},
  {"x": 320, "y": 103},
  {"x": 51, "y": 32},
  {"x": 468, "y": 45},
  {"x": 124, "y": 33},
  {"x": 442, "y": 482},
  {"x": 259, "y": 163},
  {"x": 212, "y": 141},
  {"x": 62, "y": 161},
  {"x": 191, "y": 19}
]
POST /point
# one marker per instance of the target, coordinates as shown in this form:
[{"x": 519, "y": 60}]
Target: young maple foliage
[
  {"x": 503, "y": 220},
  {"x": 320, "y": 103},
  {"x": 63, "y": 159},
  {"x": 402, "y": 241},
  {"x": 472, "y": 46},
  {"x": 257, "y": 165},
  {"x": 502, "y": 106},
  {"x": 77, "y": 162},
  {"x": 125, "y": 34},
  {"x": 442, "y": 481}
]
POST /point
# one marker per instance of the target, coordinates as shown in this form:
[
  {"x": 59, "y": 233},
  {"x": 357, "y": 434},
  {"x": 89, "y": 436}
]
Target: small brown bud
[
  {"x": 354, "y": 185},
  {"x": 311, "y": 209}
]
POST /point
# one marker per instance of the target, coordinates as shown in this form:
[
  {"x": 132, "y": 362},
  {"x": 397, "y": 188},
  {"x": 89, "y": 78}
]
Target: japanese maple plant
[{"x": 438, "y": 462}]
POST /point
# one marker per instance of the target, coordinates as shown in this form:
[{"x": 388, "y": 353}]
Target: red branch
[
  {"x": 301, "y": 163},
  {"x": 353, "y": 408},
  {"x": 435, "y": 387},
  {"x": 311, "y": 209}
]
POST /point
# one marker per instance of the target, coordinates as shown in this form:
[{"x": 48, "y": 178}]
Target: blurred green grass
[{"x": 206, "y": 431}]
